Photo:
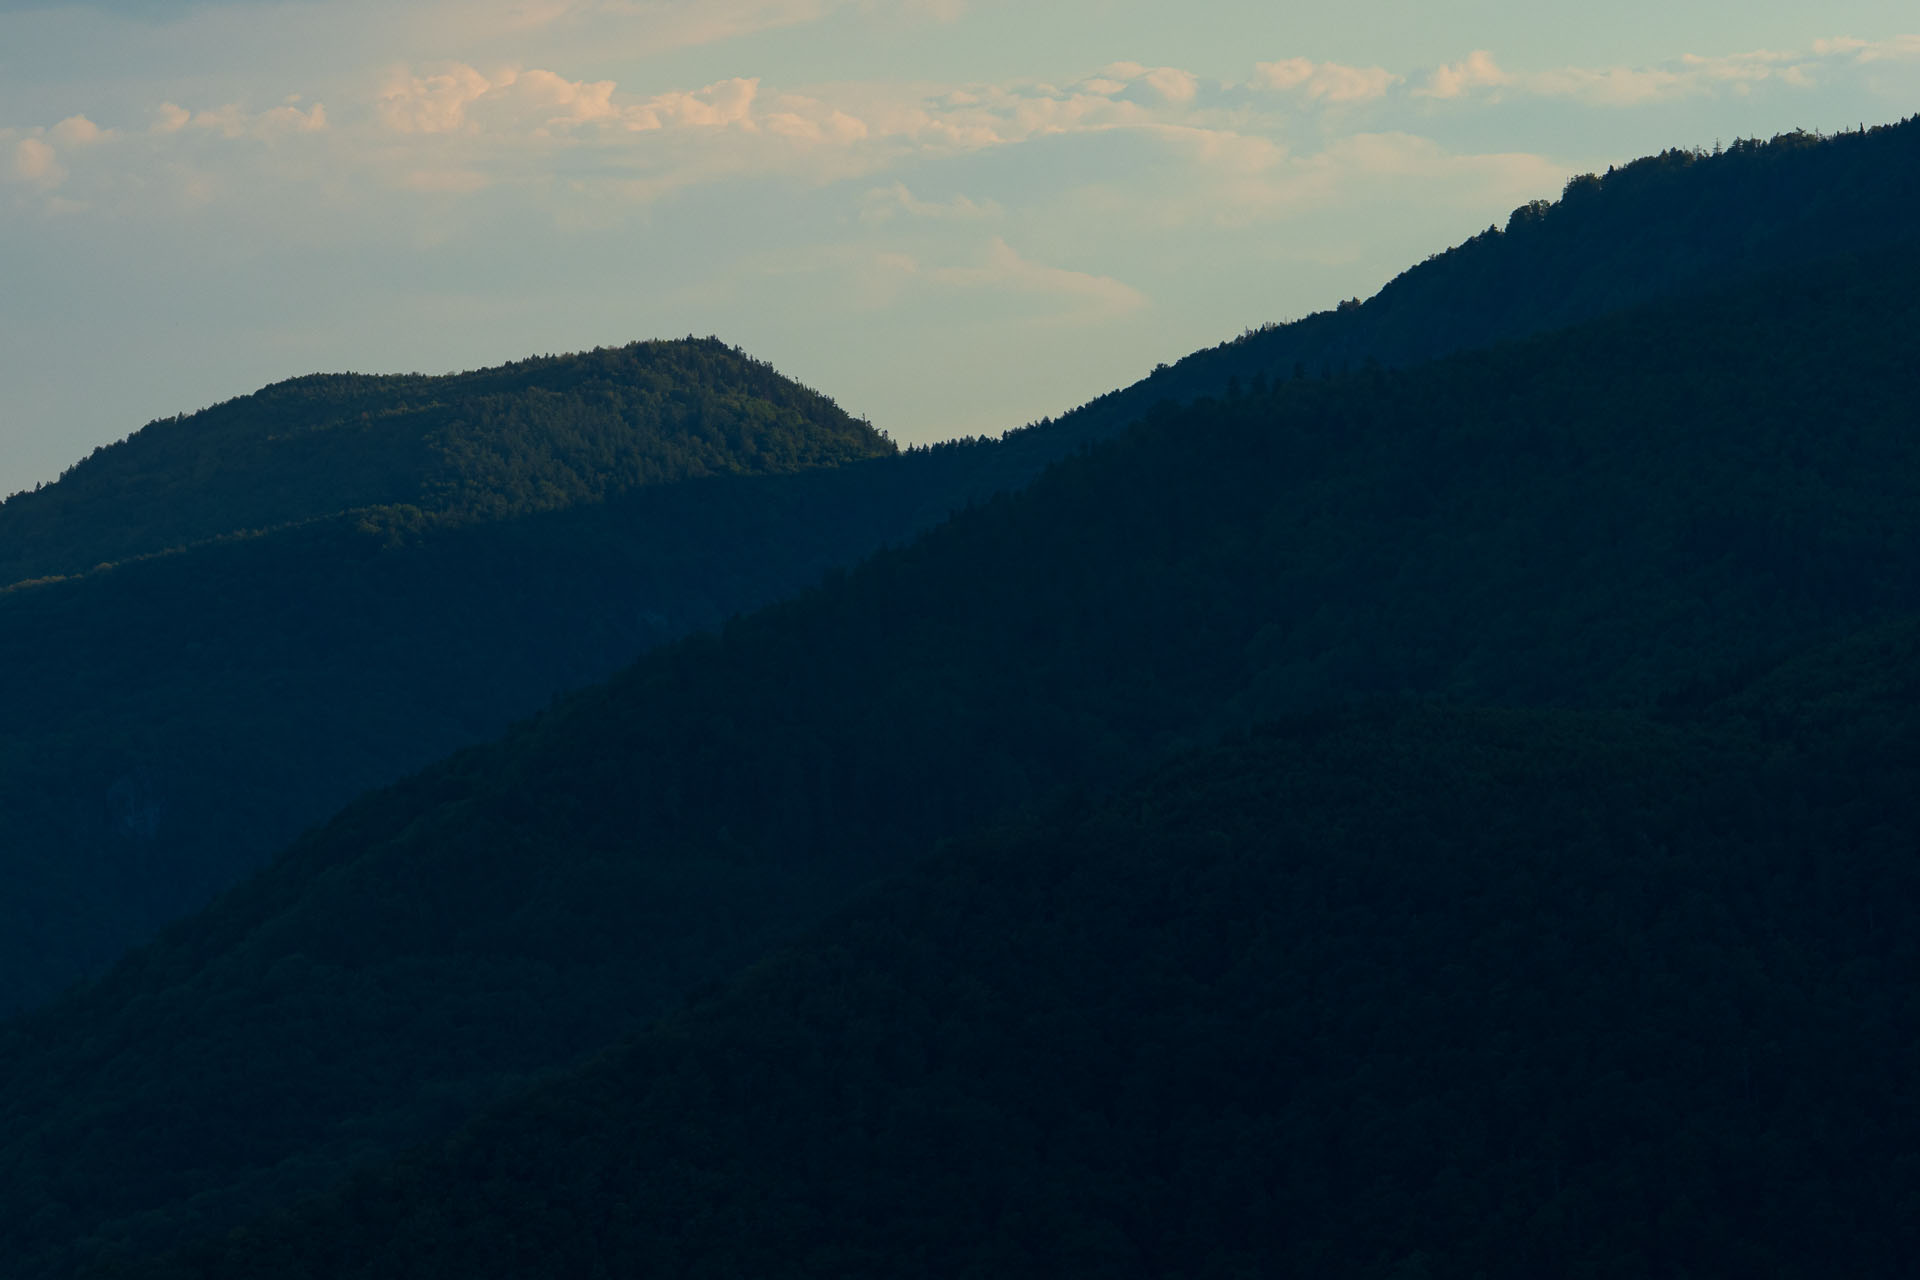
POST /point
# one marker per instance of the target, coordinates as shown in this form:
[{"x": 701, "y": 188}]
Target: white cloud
[
  {"x": 722, "y": 103},
  {"x": 1690, "y": 75},
  {"x": 433, "y": 103},
  {"x": 1173, "y": 84},
  {"x": 78, "y": 131},
  {"x": 35, "y": 163},
  {"x": 1477, "y": 70},
  {"x": 460, "y": 99},
  {"x": 809, "y": 120},
  {"x": 458, "y": 129},
  {"x": 233, "y": 121},
  {"x": 1325, "y": 81}
]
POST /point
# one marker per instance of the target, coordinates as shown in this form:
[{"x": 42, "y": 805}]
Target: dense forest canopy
[
  {"x": 535, "y": 435},
  {"x": 1639, "y": 512},
  {"x": 1679, "y": 222},
  {"x": 541, "y": 540},
  {"x": 538, "y": 535},
  {"x": 1401, "y": 992}
]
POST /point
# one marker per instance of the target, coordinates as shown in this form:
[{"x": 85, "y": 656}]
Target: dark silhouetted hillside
[
  {"x": 1404, "y": 992},
  {"x": 1678, "y": 223},
  {"x": 1634, "y": 513},
  {"x": 175, "y": 721}
]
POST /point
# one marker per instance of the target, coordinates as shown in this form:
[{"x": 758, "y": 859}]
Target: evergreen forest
[{"x": 1428, "y": 790}]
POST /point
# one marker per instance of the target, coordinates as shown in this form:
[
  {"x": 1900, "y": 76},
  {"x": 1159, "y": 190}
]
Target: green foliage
[
  {"x": 1646, "y": 506},
  {"x": 536, "y": 435}
]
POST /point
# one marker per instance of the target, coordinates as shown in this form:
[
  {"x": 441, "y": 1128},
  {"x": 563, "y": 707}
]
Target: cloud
[
  {"x": 722, "y": 103},
  {"x": 809, "y": 120},
  {"x": 35, "y": 163},
  {"x": 1325, "y": 81},
  {"x": 1477, "y": 70},
  {"x": 1173, "y": 84},
  {"x": 458, "y": 129},
  {"x": 78, "y": 131},
  {"x": 885, "y": 203},
  {"x": 1003, "y": 269},
  {"x": 233, "y": 121},
  {"x": 1607, "y": 86},
  {"x": 1691, "y": 75},
  {"x": 1184, "y": 178},
  {"x": 880, "y": 278},
  {"x": 460, "y": 99},
  {"x": 433, "y": 103},
  {"x": 1898, "y": 48}
]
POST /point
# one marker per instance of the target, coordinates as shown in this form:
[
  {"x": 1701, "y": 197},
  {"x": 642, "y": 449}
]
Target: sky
[{"x": 953, "y": 216}]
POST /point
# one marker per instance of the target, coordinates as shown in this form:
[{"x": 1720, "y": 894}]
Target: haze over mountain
[{"x": 1649, "y": 506}]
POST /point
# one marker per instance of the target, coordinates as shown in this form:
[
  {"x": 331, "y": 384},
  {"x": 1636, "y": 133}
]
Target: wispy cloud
[
  {"x": 882, "y": 204},
  {"x": 1481, "y": 75},
  {"x": 235, "y": 121},
  {"x": 1904, "y": 48},
  {"x": 456, "y": 129},
  {"x": 459, "y": 99},
  {"x": 1325, "y": 81},
  {"x": 990, "y": 274},
  {"x": 1002, "y": 268}
]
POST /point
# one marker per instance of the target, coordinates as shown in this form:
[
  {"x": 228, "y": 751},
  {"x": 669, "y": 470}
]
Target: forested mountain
[
  {"x": 177, "y": 720},
  {"x": 1644, "y": 508},
  {"x": 1390, "y": 993},
  {"x": 538, "y": 434},
  {"x": 1666, "y": 225}
]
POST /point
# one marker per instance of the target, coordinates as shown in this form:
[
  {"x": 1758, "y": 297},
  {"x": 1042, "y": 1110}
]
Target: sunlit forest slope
[{"x": 542, "y": 433}]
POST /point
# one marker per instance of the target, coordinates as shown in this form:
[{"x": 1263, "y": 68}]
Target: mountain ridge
[
  {"x": 1661, "y": 506},
  {"x": 533, "y": 434}
]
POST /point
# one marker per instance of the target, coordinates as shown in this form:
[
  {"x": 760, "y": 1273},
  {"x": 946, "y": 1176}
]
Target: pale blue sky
[{"x": 952, "y": 215}]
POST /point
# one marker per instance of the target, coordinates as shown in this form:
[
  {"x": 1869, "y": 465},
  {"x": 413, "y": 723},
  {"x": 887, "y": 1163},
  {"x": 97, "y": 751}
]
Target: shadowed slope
[
  {"x": 1594, "y": 517},
  {"x": 1410, "y": 992},
  {"x": 173, "y": 723},
  {"x": 1673, "y": 224}
]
